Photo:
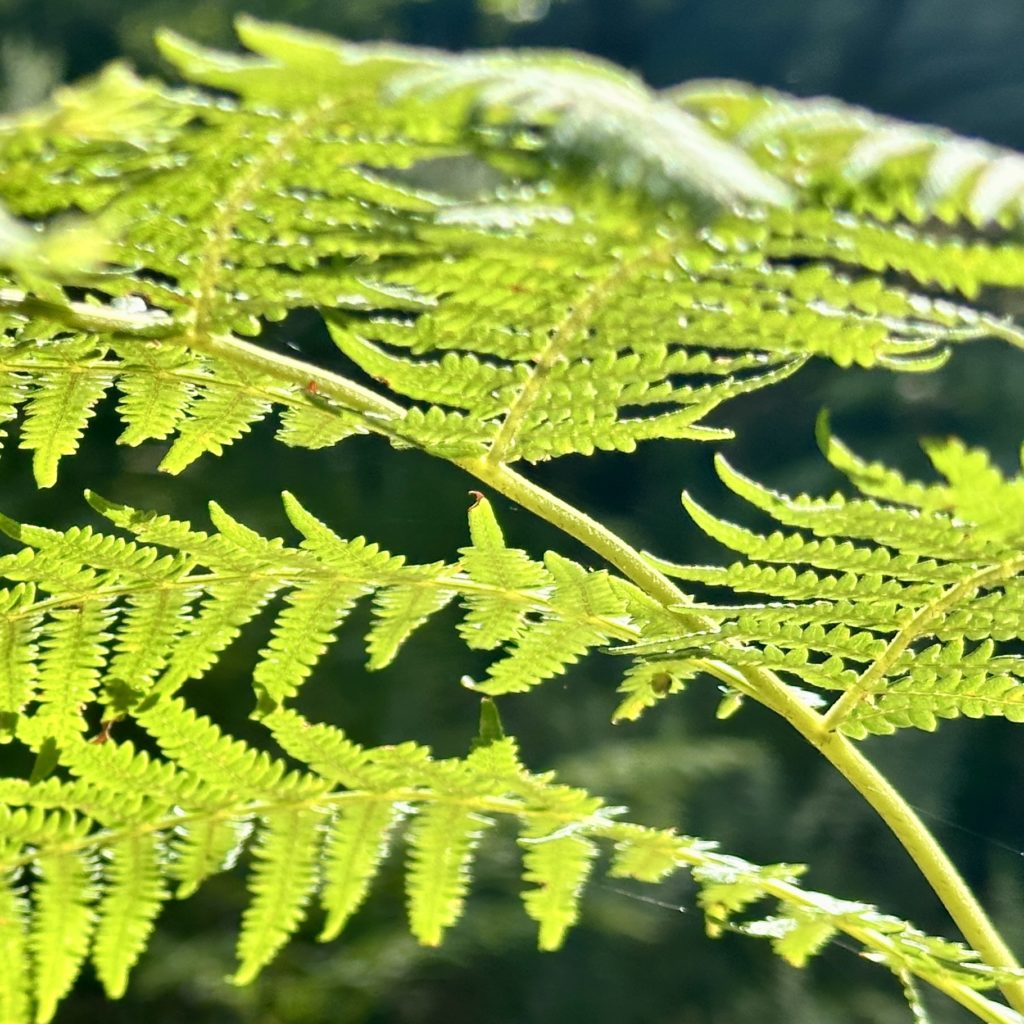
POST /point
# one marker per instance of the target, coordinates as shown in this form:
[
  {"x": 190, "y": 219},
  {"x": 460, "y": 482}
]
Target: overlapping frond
[
  {"x": 220, "y": 216},
  {"x": 908, "y": 599},
  {"x": 628, "y": 270},
  {"x": 96, "y": 619},
  {"x": 879, "y": 194},
  {"x": 98, "y": 848}
]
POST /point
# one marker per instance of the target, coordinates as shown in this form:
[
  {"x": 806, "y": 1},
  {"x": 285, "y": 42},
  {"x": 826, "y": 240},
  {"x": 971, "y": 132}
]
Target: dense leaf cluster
[{"x": 519, "y": 257}]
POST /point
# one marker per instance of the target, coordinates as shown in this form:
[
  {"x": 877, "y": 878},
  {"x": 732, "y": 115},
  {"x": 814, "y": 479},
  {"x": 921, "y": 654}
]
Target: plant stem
[
  {"x": 83, "y": 316},
  {"x": 915, "y": 837},
  {"x": 612, "y": 548}
]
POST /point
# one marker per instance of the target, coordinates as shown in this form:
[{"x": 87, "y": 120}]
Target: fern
[
  {"x": 909, "y": 605},
  {"x": 633, "y": 261},
  {"x": 123, "y": 823},
  {"x": 609, "y": 322},
  {"x": 144, "y": 623},
  {"x": 853, "y": 158}
]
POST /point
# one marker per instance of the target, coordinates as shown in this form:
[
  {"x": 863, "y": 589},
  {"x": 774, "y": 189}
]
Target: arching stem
[{"x": 765, "y": 687}]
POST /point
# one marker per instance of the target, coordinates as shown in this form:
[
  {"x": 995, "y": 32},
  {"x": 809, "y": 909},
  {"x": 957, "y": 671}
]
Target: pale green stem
[
  {"x": 154, "y": 328},
  {"x": 768, "y": 689},
  {"x": 981, "y": 1006},
  {"x": 599, "y": 539},
  {"x": 1004, "y": 329},
  {"x": 932, "y": 861},
  {"x": 82, "y": 316}
]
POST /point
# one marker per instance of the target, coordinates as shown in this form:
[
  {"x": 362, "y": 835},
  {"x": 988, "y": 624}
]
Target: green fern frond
[
  {"x": 58, "y": 409},
  {"x": 15, "y": 994},
  {"x": 635, "y": 261},
  {"x": 586, "y": 112},
  {"x": 860, "y": 160},
  {"x": 608, "y": 323},
  {"x": 61, "y": 925},
  {"x": 906, "y": 604},
  {"x": 281, "y": 883},
  {"x": 588, "y": 612},
  {"x": 357, "y": 841},
  {"x": 214, "y": 419},
  {"x": 647, "y": 682},
  {"x": 442, "y": 840},
  {"x": 128, "y": 907},
  {"x": 110, "y": 840},
  {"x": 497, "y": 614},
  {"x": 116, "y": 622},
  {"x": 558, "y": 866}
]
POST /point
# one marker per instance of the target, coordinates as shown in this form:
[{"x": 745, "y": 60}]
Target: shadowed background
[{"x": 746, "y": 782}]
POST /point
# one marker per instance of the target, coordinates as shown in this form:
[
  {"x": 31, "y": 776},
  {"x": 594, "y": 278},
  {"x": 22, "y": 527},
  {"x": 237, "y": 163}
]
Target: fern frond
[
  {"x": 589, "y": 612},
  {"x": 15, "y": 997},
  {"x": 130, "y": 825},
  {"x": 205, "y": 847},
  {"x": 497, "y": 614},
  {"x": 586, "y": 112},
  {"x": 357, "y": 841},
  {"x": 128, "y": 907},
  {"x": 61, "y": 925},
  {"x": 60, "y": 405},
  {"x": 647, "y": 682},
  {"x": 441, "y": 843},
  {"x": 400, "y": 610},
  {"x": 281, "y": 883},
  {"x": 863, "y": 161},
  {"x": 214, "y": 420},
  {"x": 18, "y": 653},
  {"x": 558, "y": 866},
  {"x": 116, "y": 622},
  {"x": 906, "y": 604},
  {"x": 614, "y": 315},
  {"x": 72, "y": 660}
]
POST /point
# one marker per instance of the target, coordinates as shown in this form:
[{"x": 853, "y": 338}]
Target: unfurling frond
[
  {"x": 108, "y": 839},
  {"x": 908, "y": 599}
]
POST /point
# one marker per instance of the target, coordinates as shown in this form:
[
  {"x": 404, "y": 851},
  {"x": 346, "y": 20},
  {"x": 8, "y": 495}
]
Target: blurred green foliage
[{"x": 632, "y": 960}]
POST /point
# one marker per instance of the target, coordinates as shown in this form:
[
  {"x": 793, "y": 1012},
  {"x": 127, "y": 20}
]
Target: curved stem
[
  {"x": 765, "y": 687},
  {"x": 612, "y": 548},
  {"x": 914, "y": 836},
  {"x": 932, "y": 861}
]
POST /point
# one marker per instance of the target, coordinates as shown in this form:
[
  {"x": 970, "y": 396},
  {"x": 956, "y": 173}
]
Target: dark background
[{"x": 746, "y": 782}]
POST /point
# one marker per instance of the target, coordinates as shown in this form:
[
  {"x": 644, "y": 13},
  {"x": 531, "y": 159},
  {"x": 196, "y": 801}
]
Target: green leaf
[
  {"x": 127, "y": 909},
  {"x": 357, "y": 841},
  {"x": 281, "y": 882},
  {"x": 442, "y": 840},
  {"x": 558, "y": 867}
]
